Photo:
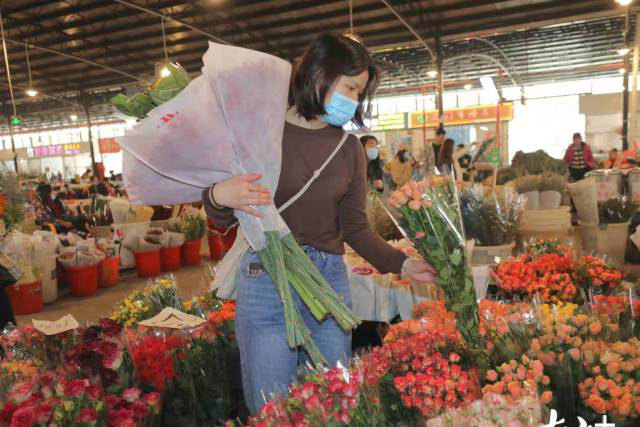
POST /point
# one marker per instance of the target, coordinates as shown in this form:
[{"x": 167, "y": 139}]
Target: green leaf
[
  {"x": 456, "y": 257},
  {"x": 468, "y": 286},
  {"x": 444, "y": 273}
]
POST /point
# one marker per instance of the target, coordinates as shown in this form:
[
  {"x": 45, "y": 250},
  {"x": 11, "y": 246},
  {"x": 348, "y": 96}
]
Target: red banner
[{"x": 109, "y": 145}]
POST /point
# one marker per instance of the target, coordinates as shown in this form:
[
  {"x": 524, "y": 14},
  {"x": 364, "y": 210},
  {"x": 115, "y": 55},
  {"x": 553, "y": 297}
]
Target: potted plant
[
  {"x": 552, "y": 187},
  {"x": 529, "y": 186},
  {"x": 193, "y": 225}
]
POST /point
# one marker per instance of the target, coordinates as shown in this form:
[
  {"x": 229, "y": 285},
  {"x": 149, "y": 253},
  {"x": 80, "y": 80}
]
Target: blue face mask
[{"x": 340, "y": 110}]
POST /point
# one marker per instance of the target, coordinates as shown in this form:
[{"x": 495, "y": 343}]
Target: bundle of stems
[{"x": 289, "y": 266}]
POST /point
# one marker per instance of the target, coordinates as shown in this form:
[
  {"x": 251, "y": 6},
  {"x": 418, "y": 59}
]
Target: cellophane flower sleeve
[{"x": 228, "y": 121}]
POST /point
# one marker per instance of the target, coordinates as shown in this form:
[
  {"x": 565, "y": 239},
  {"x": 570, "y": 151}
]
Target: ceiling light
[
  {"x": 164, "y": 72},
  {"x": 484, "y": 128},
  {"x": 468, "y": 86},
  {"x": 73, "y": 117},
  {"x": 31, "y": 92},
  {"x": 432, "y": 73},
  {"x": 624, "y": 51},
  {"x": 624, "y": 2}
]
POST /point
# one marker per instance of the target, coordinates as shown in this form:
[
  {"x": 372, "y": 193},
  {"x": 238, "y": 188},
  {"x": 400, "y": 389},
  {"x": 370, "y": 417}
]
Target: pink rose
[
  {"x": 120, "y": 417},
  {"x": 43, "y": 413},
  {"x": 75, "y": 388},
  {"x": 112, "y": 356},
  {"x": 94, "y": 392},
  {"x": 87, "y": 416},
  {"x": 21, "y": 391},
  {"x": 152, "y": 399},
  {"x": 131, "y": 394},
  {"x": 574, "y": 353},
  {"x": 407, "y": 190},
  {"x": 140, "y": 409},
  {"x": 414, "y": 205},
  {"x": 24, "y": 417},
  {"x": 111, "y": 401},
  {"x": 420, "y": 235},
  {"x": 401, "y": 198},
  {"x": 492, "y": 376}
]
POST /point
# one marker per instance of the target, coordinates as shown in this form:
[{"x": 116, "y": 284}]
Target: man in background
[{"x": 578, "y": 158}]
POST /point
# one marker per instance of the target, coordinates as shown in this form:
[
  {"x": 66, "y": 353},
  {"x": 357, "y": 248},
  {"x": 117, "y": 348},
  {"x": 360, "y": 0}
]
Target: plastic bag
[{"x": 211, "y": 131}]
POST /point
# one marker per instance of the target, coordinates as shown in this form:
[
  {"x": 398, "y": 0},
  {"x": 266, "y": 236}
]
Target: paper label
[
  {"x": 64, "y": 324},
  {"x": 171, "y": 318},
  {"x": 11, "y": 266}
]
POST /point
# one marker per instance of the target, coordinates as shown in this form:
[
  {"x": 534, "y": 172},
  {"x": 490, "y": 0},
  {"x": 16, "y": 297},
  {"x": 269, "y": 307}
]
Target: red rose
[
  {"x": 75, "y": 388},
  {"x": 110, "y": 327},
  {"x": 140, "y": 410},
  {"x": 152, "y": 399},
  {"x": 23, "y": 417},
  {"x": 111, "y": 401},
  {"x": 94, "y": 392},
  {"x": 119, "y": 417},
  {"x": 7, "y": 412},
  {"x": 131, "y": 394},
  {"x": 87, "y": 416},
  {"x": 43, "y": 413}
]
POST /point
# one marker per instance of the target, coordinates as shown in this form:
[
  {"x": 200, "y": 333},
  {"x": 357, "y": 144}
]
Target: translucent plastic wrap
[{"x": 227, "y": 122}]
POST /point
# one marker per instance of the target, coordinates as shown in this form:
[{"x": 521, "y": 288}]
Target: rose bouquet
[
  {"x": 133, "y": 409},
  {"x": 429, "y": 214},
  {"x": 101, "y": 354},
  {"x": 596, "y": 275},
  {"x": 26, "y": 342},
  {"x": 519, "y": 378}
]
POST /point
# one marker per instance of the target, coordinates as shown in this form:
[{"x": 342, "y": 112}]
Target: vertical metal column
[
  {"x": 13, "y": 145},
  {"x": 93, "y": 156},
  {"x": 625, "y": 83},
  {"x": 633, "y": 99},
  {"x": 440, "y": 89}
]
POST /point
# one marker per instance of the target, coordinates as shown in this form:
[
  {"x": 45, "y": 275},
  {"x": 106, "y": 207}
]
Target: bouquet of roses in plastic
[
  {"x": 189, "y": 368},
  {"x": 101, "y": 354},
  {"x": 132, "y": 408},
  {"x": 26, "y": 342},
  {"x": 597, "y": 276},
  {"x": 428, "y": 212}
]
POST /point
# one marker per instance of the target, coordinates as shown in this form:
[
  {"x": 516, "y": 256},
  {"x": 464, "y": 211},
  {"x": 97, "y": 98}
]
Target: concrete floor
[{"x": 89, "y": 309}]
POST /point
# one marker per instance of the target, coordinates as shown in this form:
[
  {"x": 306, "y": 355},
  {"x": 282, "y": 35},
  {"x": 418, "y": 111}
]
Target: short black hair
[
  {"x": 460, "y": 145},
  {"x": 365, "y": 138},
  {"x": 328, "y": 57},
  {"x": 441, "y": 131},
  {"x": 577, "y": 135}
]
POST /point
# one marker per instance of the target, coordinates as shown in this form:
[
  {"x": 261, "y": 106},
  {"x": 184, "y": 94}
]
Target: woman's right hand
[{"x": 240, "y": 192}]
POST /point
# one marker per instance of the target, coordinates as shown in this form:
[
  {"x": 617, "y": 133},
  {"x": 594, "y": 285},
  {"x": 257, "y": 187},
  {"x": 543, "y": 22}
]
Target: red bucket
[
  {"x": 26, "y": 298},
  {"x": 148, "y": 263},
  {"x": 190, "y": 252},
  {"x": 83, "y": 280},
  {"x": 109, "y": 272},
  {"x": 170, "y": 258},
  {"x": 220, "y": 241}
]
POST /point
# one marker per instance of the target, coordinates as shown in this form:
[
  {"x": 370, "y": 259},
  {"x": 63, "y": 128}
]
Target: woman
[
  {"x": 400, "y": 168},
  {"x": 445, "y": 157},
  {"x": 332, "y": 84},
  {"x": 375, "y": 175}
]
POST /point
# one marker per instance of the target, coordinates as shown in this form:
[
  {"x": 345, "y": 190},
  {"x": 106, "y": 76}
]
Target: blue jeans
[{"x": 268, "y": 364}]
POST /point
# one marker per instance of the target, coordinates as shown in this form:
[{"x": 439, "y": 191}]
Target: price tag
[
  {"x": 64, "y": 324},
  {"x": 171, "y": 318}
]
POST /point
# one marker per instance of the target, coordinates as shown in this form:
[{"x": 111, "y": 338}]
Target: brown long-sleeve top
[{"x": 332, "y": 210}]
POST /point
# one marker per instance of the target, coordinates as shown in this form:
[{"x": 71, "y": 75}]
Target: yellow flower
[{"x": 68, "y": 405}]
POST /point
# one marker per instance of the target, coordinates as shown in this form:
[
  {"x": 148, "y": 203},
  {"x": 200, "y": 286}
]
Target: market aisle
[{"x": 90, "y": 309}]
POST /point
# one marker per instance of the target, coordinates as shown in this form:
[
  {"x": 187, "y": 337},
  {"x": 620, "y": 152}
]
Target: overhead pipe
[
  {"x": 409, "y": 27},
  {"x": 77, "y": 58}
]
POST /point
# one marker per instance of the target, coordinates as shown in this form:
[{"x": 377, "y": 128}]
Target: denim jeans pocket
[
  {"x": 251, "y": 267},
  {"x": 335, "y": 264}
]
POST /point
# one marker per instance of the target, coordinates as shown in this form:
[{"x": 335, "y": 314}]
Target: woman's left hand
[{"x": 419, "y": 270}]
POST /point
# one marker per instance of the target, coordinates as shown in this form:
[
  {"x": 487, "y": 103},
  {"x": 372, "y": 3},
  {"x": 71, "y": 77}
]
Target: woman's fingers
[{"x": 257, "y": 188}]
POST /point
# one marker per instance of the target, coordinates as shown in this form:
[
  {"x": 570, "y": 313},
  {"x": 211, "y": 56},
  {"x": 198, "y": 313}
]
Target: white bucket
[
  {"x": 47, "y": 267},
  {"x": 491, "y": 255},
  {"x": 533, "y": 200},
  {"x": 129, "y": 233},
  {"x": 550, "y": 199},
  {"x": 605, "y": 239}
]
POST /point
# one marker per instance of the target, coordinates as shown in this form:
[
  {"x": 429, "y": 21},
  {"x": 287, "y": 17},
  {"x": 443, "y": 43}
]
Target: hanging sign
[
  {"x": 58, "y": 150},
  {"x": 109, "y": 145},
  {"x": 16, "y": 121},
  {"x": 389, "y": 122},
  {"x": 461, "y": 116}
]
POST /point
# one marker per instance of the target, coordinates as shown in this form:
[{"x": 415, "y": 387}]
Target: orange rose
[{"x": 596, "y": 403}]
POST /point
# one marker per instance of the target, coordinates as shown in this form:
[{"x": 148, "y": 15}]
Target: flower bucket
[
  {"x": 26, "y": 298},
  {"x": 170, "y": 258},
  {"x": 605, "y": 239},
  {"x": 148, "y": 263},
  {"x": 220, "y": 241},
  {"x": 48, "y": 267},
  {"x": 190, "y": 252},
  {"x": 83, "y": 280},
  {"x": 486, "y": 255},
  {"x": 101, "y": 231},
  {"x": 109, "y": 272},
  {"x": 533, "y": 200},
  {"x": 550, "y": 199}
]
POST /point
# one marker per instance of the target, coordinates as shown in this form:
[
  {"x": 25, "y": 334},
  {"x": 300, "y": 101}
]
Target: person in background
[
  {"x": 445, "y": 157},
  {"x": 6, "y": 311},
  {"x": 98, "y": 187},
  {"x": 578, "y": 158},
  {"x": 437, "y": 142},
  {"x": 465, "y": 160},
  {"x": 112, "y": 176},
  {"x": 615, "y": 160},
  {"x": 375, "y": 175},
  {"x": 50, "y": 213},
  {"x": 86, "y": 176},
  {"x": 400, "y": 168}
]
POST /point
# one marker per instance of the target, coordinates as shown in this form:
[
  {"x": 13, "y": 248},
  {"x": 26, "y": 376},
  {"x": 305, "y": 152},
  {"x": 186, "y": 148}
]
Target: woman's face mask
[
  {"x": 340, "y": 110},
  {"x": 372, "y": 153}
]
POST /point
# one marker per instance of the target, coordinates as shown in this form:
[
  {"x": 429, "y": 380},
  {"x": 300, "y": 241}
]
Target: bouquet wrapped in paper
[{"x": 211, "y": 131}]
